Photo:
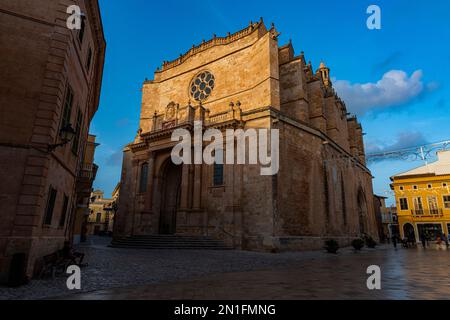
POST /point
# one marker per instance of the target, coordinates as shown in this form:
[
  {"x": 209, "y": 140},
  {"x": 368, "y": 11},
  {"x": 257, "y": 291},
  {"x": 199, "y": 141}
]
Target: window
[
  {"x": 82, "y": 29},
  {"x": 415, "y": 187},
  {"x": 444, "y": 185},
  {"x": 50, "y": 206},
  {"x": 89, "y": 59},
  {"x": 430, "y": 186},
  {"x": 218, "y": 174},
  {"x": 67, "y": 108},
  {"x": 99, "y": 217},
  {"x": 76, "y": 138},
  {"x": 62, "y": 219},
  {"x": 402, "y": 188},
  {"x": 202, "y": 86},
  {"x": 433, "y": 205},
  {"x": 403, "y": 204},
  {"x": 447, "y": 202},
  {"x": 418, "y": 206},
  {"x": 143, "y": 178}
]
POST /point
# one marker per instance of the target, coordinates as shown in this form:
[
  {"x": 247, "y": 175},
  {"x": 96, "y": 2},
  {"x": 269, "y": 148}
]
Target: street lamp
[{"x": 66, "y": 134}]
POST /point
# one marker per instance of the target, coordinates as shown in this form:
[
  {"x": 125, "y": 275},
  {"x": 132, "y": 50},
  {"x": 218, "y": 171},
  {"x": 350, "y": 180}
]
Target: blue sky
[{"x": 394, "y": 79}]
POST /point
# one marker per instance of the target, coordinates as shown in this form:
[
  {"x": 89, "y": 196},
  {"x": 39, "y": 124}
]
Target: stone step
[
  {"x": 168, "y": 237},
  {"x": 166, "y": 240},
  {"x": 171, "y": 247},
  {"x": 169, "y": 242}
]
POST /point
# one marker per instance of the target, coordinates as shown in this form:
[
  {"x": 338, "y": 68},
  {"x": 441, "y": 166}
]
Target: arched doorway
[
  {"x": 170, "y": 197},
  {"x": 408, "y": 232},
  {"x": 362, "y": 212}
]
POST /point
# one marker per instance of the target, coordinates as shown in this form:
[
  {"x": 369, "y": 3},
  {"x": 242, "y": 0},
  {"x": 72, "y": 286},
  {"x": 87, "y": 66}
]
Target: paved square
[{"x": 185, "y": 274}]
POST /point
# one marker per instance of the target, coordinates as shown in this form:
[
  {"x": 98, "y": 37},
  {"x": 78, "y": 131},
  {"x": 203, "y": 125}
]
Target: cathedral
[{"x": 245, "y": 80}]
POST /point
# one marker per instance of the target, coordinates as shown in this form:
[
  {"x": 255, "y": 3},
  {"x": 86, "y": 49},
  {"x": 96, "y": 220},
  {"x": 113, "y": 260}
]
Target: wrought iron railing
[
  {"x": 88, "y": 171},
  {"x": 427, "y": 212}
]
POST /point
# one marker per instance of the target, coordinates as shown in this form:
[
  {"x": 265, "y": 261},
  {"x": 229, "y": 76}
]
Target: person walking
[
  {"x": 394, "y": 241},
  {"x": 423, "y": 239},
  {"x": 447, "y": 244}
]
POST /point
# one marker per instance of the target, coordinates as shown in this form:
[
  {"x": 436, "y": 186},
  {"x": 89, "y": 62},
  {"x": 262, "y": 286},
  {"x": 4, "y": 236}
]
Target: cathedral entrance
[{"x": 170, "y": 201}]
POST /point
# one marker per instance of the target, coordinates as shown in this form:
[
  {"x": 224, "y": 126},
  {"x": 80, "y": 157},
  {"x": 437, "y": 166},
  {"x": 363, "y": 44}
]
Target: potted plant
[
  {"x": 370, "y": 243},
  {"x": 358, "y": 244},
  {"x": 332, "y": 246}
]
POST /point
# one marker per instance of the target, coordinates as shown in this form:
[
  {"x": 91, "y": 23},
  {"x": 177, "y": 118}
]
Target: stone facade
[
  {"x": 323, "y": 188},
  {"x": 40, "y": 59},
  {"x": 101, "y": 213}
]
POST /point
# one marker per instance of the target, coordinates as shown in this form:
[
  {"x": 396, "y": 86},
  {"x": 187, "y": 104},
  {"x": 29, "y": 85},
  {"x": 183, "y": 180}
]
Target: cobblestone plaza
[{"x": 185, "y": 274}]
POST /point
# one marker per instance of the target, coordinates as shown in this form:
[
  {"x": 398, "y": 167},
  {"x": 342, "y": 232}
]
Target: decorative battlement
[{"x": 215, "y": 41}]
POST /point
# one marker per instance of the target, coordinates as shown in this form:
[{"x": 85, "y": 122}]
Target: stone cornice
[
  {"x": 215, "y": 41},
  {"x": 95, "y": 18}
]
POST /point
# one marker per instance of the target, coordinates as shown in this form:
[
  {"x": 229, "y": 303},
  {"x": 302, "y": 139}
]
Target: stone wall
[{"x": 40, "y": 57}]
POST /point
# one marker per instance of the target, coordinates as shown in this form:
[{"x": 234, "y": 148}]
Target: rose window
[{"x": 202, "y": 86}]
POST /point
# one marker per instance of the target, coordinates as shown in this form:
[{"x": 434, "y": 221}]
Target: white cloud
[
  {"x": 395, "y": 88},
  {"x": 403, "y": 140}
]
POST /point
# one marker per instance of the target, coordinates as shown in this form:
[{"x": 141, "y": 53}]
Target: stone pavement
[
  {"x": 406, "y": 274},
  {"x": 184, "y": 274}
]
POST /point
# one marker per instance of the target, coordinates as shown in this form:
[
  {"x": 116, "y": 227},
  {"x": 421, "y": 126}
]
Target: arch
[
  {"x": 170, "y": 196},
  {"x": 408, "y": 232},
  {"x": 362, "y": 211}
]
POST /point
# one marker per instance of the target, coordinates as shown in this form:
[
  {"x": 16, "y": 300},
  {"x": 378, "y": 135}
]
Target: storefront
[{"x": 431, "y": 231}]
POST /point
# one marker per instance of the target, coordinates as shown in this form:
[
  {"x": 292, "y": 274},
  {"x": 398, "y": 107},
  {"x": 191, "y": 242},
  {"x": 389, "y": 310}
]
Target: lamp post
[{"x": 66, "y": 134}]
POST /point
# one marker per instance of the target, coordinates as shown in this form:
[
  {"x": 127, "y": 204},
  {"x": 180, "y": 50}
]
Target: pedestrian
[
  {"x": 423, "y": 240},
  {"x": 394, "y": 241},
  {"x": 447, "y": 244}
]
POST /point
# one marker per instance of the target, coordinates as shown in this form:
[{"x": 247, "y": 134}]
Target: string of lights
[{"x": 422, "y": 153}]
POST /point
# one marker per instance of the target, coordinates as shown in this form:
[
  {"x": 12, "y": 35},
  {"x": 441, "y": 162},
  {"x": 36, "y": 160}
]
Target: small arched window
[{"x": 143, "y": 178}]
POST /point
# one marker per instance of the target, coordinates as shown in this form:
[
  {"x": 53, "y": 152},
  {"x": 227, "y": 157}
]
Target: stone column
[
  {"x": 146, "y": 223},
  {"x": 184, "y": 202},
  {"x": 197, "y": 187},
  {"x": 150, "y": 183},
  {"x": 134, "y": 184}
]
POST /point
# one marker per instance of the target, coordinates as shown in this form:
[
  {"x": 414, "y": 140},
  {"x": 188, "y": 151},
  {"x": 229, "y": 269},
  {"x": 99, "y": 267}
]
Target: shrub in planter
[
  {"x": 358, "y": 244},
  {"x": 370, "y": 243},
  {"x": 332, "y": 246}
]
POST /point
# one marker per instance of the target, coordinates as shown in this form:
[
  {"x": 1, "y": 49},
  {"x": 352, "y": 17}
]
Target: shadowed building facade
[
  {"x": 247, "y": 81},
  {"x": 50, "y": 79}
]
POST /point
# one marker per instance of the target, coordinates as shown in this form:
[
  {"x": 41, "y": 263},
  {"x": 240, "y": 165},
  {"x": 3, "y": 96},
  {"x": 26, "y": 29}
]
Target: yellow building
[
  {"x": 102, "y": 211},
  {"x": 423, "y": 199}
]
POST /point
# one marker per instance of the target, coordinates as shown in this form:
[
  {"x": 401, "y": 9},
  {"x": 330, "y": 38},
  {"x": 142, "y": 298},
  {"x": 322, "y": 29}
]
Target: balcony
[
  {"x": 88, "y": 171},
  {"x": 86, "y": 177},
  {"x": 428, "y": 213}
]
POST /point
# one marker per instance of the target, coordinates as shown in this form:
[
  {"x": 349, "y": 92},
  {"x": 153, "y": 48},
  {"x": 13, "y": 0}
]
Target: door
[{"x": 170, "y": 197}]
